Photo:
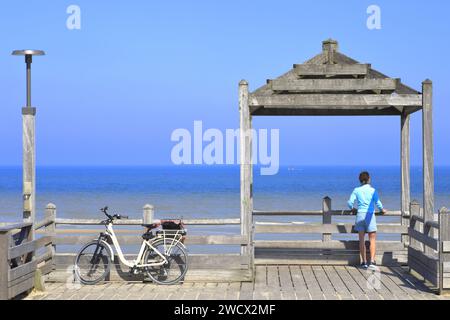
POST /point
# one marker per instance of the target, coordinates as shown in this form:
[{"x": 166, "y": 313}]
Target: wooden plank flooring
[{"x": 272, "y": 282}]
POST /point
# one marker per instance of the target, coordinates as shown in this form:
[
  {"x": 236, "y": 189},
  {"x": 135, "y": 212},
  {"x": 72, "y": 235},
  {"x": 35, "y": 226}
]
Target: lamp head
[{"x": 28, "y": 52}]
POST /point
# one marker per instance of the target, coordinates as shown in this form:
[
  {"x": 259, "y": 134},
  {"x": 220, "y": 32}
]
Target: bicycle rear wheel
[
  {"x": 176, "y": 267},
  {"x": 92, "y": 264}
]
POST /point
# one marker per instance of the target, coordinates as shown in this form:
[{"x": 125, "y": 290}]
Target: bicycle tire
[
  {"x": 160, "y": 274},
  {"x": 87, "y": 260}
]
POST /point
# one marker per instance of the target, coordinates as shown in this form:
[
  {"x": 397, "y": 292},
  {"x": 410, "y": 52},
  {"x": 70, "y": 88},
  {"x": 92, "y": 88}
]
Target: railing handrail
[
  {"x": 431, "y": 224},
  {"x": 319, "y": 213},
  {"x": 13, "y": 226},
  {"x": 138, "y": 222}
]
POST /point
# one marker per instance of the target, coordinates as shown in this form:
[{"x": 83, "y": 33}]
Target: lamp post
[{"x": 28, "y": 142}]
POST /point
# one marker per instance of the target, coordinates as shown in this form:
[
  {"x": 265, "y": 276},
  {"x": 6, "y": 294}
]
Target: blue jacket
[{"x": 367, "y": 198}]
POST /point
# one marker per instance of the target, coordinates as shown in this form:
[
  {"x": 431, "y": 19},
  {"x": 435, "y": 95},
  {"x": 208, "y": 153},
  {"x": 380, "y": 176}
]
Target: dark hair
[{"x": 364, "y": 177}]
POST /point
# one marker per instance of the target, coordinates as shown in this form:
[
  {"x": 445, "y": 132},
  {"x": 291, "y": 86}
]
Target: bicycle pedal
[{"x": 134, "y": 271}]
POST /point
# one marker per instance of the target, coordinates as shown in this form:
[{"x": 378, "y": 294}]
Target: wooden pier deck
[{"x": 271, "y": 283}]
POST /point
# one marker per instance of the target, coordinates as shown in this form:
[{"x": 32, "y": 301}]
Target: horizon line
[{"x": 214, "y": 165}]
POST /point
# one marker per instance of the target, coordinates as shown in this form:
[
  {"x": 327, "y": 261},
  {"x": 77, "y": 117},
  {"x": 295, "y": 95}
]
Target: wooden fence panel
[
  {"x": 76, "y": 232},
  {"x": 17, "y": 272},
  {"x": 444, "y": 252},
  {"x": 326, "y": 251},
  {"x": 424, "y": 249}
]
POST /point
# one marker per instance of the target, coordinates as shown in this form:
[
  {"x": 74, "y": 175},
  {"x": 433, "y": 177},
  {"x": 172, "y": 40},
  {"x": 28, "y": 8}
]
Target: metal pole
[
  {"x": 28, "y": 138},
  {"x": 28, "y": 61}
]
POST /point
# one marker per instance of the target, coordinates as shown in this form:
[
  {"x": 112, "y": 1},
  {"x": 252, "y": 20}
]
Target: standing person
[{"x": 367, "y": 198}]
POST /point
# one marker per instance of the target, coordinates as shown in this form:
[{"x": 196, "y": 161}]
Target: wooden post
[
  {"x": 414, "y": 210},
  {"x": 444, "y": 254},
  {"x": 428, "y": 157},
  {"x": 29, "y": 168},
  {"x": 326, "y": 216},
  {"x": 5, "y": 242},
  {"x": 405, "y": 171},
  {"x": 246, "y": 166},
  {"x": 50, "y": 230},
  {"x": 329, "y": 48},
  {"x": 148, "y": 214}
]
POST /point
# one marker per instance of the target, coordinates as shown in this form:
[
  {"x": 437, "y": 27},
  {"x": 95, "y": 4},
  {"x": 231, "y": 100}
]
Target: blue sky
[{"x": 112, "y": 92}]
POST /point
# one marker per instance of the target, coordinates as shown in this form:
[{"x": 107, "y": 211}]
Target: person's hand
[
  {"x": 383, "y": 212},
  {"x": 354, "y": 211}
]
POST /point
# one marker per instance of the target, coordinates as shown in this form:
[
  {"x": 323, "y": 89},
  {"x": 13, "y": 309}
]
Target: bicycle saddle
[{"x": 148, "y": 235}]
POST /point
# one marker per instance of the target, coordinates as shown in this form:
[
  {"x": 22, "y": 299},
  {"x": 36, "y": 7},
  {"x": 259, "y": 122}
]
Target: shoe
[
  {"x": 373, "y": 265},
  {"x": 363, "y": 265}
]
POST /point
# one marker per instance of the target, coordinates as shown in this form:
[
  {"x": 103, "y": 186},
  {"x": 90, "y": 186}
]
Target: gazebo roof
[{"x": 334, "y": 84}]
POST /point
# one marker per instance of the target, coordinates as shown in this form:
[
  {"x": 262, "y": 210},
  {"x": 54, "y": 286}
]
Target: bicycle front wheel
[
  {"x": 92, "y": 264},
  {"x": 174, "y": 269}
]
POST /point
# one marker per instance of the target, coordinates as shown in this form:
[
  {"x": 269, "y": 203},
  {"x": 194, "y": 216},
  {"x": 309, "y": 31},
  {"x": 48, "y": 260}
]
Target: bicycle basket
[
  {"x": 172, "y": 230},
  {"x": 171, "y": 225}
]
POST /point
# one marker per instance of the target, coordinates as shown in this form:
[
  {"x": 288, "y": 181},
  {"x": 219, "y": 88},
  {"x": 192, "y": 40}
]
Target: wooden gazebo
[{"x": 333, "y": 84}]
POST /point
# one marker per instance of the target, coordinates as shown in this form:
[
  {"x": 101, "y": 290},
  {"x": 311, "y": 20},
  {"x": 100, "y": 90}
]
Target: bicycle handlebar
[{"x": 112, "y": 217}]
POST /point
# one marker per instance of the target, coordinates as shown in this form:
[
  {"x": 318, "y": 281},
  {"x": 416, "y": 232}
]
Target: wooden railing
[
  {"x": 426, "y": 249},
  {"x": 21, "y": 258},
  {"x": 444, "y": 250},
  {"x": 70, "y": 234},
  {"x": 429, "y": 248},
  {"x": 326, "y": 250}
]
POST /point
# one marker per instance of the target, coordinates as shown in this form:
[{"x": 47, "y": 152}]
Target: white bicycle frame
[{"x": 138, "y": 263}]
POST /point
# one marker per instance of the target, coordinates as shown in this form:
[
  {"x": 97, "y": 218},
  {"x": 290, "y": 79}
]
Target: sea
[{"x": 203, "y": 191}]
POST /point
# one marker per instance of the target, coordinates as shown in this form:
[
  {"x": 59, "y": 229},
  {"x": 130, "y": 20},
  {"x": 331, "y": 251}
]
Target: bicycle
[{"x": 162, "y": 256}]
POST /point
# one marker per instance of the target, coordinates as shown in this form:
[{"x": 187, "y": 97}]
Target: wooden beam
[
  {"x": 134, "y": 240},
  {"x": 44, "y": 223},
  {"x": 318, "y": 213},
  {"x": 28, "y": 247},
  {"x": 335, "y": 101},
  {"x": 321, "y": 245},
  {"x": 50, "y": 229},
  {"x": 423, "y": 265},
  {"x": 138, "y": 222},
  {"x": 200, "y": 261},
  {"x": 427, "y": 149},
  {"x": 423, "y": 238},
  {"x": 405, "y": 169},
  {"x": 21, "y": 287},
  {"x": 412, "y": 110},
  {"x": 331, "y": 69},
  {"x": 330, "y": 85},
  {"x": 14, "y": 226},
  {"x": 327, "y": 217},
  {"x": 362, "y": 111},
  {"x": 383, "y": 257},
  {"x": 246, "y": 171},
  {"x": 263, "y": 227},
  {"x": 203, "y": 268},
  {"x": 22, "y": 270},
  {"x": 414, "y": 211},
  {"x": 29, "y": 167}
]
